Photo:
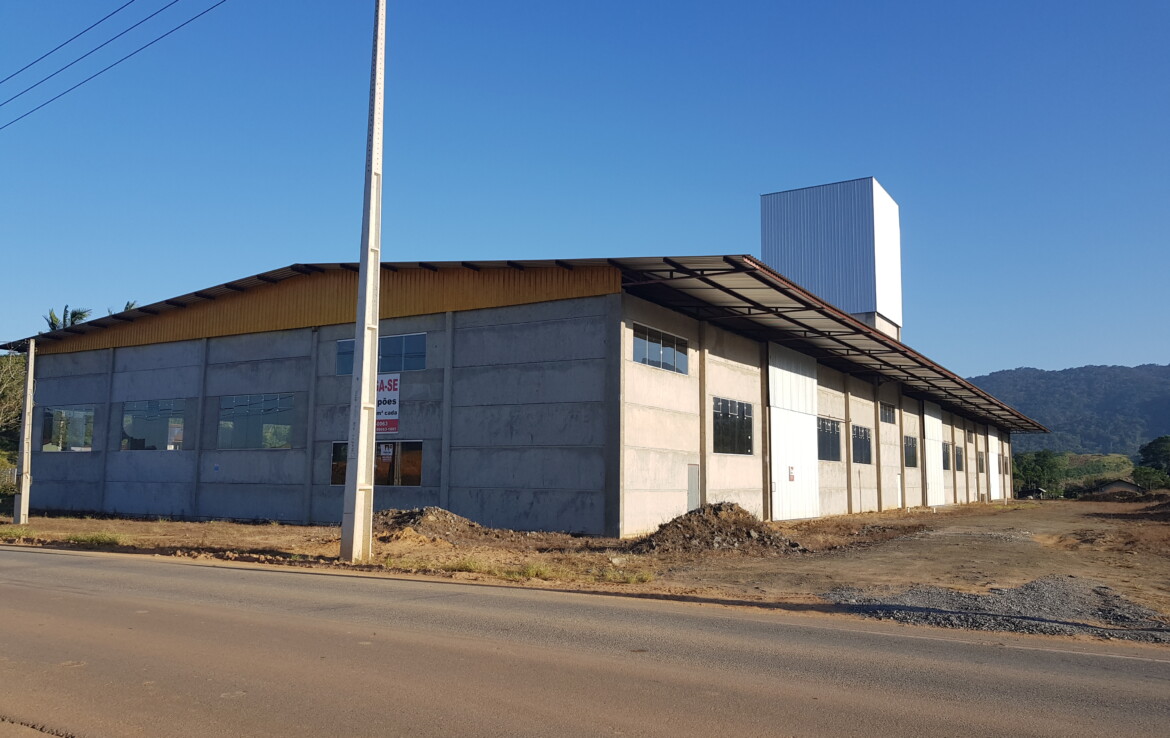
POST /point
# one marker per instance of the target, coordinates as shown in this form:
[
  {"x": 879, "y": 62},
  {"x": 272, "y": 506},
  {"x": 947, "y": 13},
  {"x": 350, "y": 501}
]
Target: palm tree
[{"x": 67, "y": 318}]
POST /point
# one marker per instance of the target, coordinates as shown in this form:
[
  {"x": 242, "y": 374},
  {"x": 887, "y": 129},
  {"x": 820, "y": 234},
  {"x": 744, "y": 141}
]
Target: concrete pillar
[
  {"x": 311, "y": 428},
  {"x": 448, "y": 393},
  {"x": 107, "y": 436},
  {"x": 24, "y": 451}
]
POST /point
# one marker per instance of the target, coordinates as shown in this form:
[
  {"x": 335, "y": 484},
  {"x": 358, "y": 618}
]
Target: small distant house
[{"x": 1114, "y": 486}]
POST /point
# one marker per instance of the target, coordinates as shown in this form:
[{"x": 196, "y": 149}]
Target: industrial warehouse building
[{"x": 601, "y": 396}]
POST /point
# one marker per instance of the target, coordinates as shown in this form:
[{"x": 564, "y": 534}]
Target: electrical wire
[
  {"x": 106, "y": 69},
  {"x": 99, "y": 46},
  {"x": 74, "y": 38}
]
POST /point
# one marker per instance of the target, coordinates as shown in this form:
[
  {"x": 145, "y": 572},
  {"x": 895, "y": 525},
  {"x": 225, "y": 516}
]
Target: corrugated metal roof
[{"x": 739, "y": 293}]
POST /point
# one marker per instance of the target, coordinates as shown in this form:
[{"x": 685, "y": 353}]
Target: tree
[
  {"x": 1144, "y": 476},
  {"x": 11, "y": 390},
  {"x": 67, "y": 318},
  {"x": 11, "y": 405},
  {"x": 1043, "y": 469},
  {"x": 130, "y": 305},
  {"x": 1156, "y": 454}
]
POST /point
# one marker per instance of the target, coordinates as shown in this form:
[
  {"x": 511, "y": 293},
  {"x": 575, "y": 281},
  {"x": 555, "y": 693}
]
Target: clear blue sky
[{"x": 1026, "y": 142}]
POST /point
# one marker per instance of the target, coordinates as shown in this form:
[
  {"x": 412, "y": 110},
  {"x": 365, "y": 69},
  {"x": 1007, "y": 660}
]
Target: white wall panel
[
  {"x": 932, "y": 441},
  {"x": 792, "y": 383},
  {"x": 995, "y": 482}
]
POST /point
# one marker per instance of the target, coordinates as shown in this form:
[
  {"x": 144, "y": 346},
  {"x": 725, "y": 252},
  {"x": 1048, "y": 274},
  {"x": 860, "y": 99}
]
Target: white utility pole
[
  {"x": 24, "y": 452},
  {"x": 357, "y": 518}
]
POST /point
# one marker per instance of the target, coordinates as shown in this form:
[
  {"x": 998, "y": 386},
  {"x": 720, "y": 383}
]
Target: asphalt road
[{"x": 109, "y": 645}]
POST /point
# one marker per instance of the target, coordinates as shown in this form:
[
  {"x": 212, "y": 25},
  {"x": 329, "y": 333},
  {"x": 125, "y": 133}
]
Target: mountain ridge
[{"x": 1093, "y": 409}]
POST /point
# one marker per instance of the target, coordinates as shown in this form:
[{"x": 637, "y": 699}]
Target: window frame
[
  {"x": 890, "y": 410},
  {"x": 946, "y": 456},
  {"x": 383, "y": 358},
  {"x": 960, "y": 461},
  {"x": 861, "y": 446},
  {"x": 391, "y": 468},
  {"x": 181, "y": 414},
  {"x": 261, "y": 397},
  {"x": 910, "y": 452},
  {"x": 88, "y": 417},
  {"x": 827, "y": 430},
  {"x": 732, "y": 425},
  {"x": 980, "y": 463},
  {"x": 679, "y": 348}
]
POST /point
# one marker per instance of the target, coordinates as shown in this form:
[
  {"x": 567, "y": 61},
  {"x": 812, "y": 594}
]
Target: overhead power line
[
  {"x": 99, "y": 46},
  {"x": 71, "y": 39},
  {"x": 106, "y": 69}
]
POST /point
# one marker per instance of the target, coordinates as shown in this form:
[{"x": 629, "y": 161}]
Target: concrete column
[
  {"x": 901, "y": 446},
  {"x": 704, "y": 413},
  {"x": 200, "y": 423},
  {"x": 848, "y": 440},
  {"x": 876, "y": 441},
  {"x": 922, "y": 450},
  {"x": 448, "y": 393},
  {"x": 107, "y": 445},
  {"x": 766, "y": 430},
  {"x": 24, "y": 451},
  {"x": 615, "y": 428},
  {"x": 310, "y": 428}
]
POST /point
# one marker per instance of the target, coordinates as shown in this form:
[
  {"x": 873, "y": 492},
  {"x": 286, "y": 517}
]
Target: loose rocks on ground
[
  {"x": 723, "y": 525},
  {"x": 1048, "y": 606}
]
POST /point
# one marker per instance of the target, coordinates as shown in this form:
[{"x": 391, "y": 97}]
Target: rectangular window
[
  {"x": 959, "y": 458},
  {"x": 255, "y": 421},
  {"x": 888, "y": 414},
  {"x": 732, "y": 427},
  {"x": 396, "y": 463},
  {"x": 402, "y": 353},
  {"x": 970, "y": 436},
  {"x": 153, "y": 425},
  {"x": 67, "y": 428},
  {"x": 862, "y": 447},
  {"x": 980, "y": 464},
  {"x": 946, "y": 448},
  {"x": 910, "y": 451},
  {"x": 828, "y": 439},
  {"x": 658, "y": 349}
]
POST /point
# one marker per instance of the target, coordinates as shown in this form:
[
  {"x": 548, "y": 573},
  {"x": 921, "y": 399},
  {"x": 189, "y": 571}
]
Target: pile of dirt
[
  {"x": 723, "y": 525},
  {"x": 1053, "y": 605},
  {"x": 434, "y": 522}
]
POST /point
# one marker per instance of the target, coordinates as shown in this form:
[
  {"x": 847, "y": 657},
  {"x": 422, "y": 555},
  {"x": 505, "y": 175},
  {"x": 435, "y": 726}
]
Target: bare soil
[{"x": 718, "y": 553}]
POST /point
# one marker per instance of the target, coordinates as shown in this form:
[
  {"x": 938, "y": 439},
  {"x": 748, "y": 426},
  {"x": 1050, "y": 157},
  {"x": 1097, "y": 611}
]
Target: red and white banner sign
[{"x": 387, "y": 412}]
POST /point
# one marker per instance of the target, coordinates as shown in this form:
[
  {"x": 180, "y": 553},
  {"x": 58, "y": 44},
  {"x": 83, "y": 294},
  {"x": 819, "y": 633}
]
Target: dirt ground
[{"x": 717, "y": 554}]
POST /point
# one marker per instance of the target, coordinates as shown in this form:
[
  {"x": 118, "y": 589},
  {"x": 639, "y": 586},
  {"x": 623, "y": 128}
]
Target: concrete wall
[
  {"x": 862, "y": 412},
  {"x": 534, "y": 391},
  {"x": 910, "y": 413},
  {"x": 530, "y": 417},
  {"x": 660, "y": 417},
  {"x": 732, "y": 371}
]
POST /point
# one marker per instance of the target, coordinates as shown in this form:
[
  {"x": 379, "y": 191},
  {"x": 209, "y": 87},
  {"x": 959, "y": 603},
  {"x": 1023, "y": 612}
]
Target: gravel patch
[{"x": 1052, "y": 605}]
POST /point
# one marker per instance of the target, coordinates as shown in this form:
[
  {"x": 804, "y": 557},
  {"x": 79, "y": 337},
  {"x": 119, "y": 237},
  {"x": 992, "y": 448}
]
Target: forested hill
[{"x": 1089, "y": 409}]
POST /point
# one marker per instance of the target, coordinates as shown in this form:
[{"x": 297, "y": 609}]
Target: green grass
[
  {"x": 15, "y": 531},
  {"x": 95, "y": 540}
]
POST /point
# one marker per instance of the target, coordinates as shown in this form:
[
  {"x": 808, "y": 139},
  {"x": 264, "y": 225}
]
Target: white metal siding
[
  {"x": 932, "y": 439},
  {"x": 822, "y": 238},
  {"x": 887, "y": 240},
  {"x": 995, "y": 485},
  {"x": 792, "y": 413}
]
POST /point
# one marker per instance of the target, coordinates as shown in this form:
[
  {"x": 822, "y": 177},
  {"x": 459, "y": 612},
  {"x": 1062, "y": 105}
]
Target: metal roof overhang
[
  {"x": 746, "y": 296},
  {"x": 739, "y": 293}
]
